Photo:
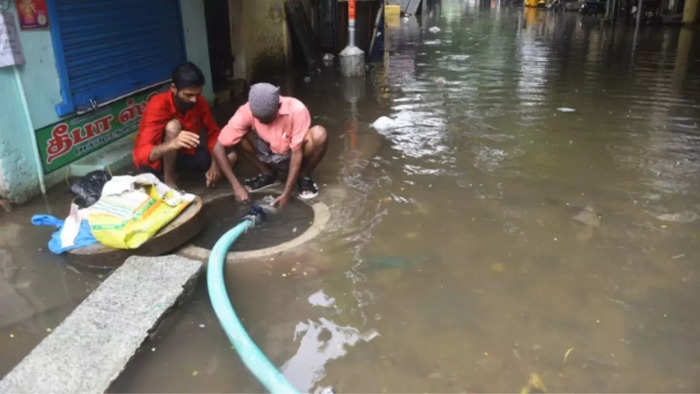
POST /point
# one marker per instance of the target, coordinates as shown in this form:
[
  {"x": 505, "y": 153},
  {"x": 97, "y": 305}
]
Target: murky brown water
[
  {"x": 222, "y": 214},
  {"x": 490, "y": 233}
]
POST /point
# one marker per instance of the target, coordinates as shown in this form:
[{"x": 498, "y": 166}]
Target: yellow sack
[{"x": 127, "y": 220}]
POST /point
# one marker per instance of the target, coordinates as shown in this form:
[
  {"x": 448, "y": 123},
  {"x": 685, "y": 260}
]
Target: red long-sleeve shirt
[{"x": 159, "y": 111}]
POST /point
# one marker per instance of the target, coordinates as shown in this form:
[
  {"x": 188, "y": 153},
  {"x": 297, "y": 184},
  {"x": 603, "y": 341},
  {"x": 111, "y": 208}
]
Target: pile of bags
[{"x": 122, "y": 212}]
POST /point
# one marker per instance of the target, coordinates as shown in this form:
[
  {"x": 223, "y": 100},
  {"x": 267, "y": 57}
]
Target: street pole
[
  {"x": 636, "y": 27},
  {"x": 352, "y": 58}
]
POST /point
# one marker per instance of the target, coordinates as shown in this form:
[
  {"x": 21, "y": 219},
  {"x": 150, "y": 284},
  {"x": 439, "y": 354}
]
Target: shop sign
[{"x": 68, "y": 140}]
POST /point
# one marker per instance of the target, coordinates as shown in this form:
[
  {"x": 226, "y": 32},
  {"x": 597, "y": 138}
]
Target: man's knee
[
  {"x": 318, "y": 134},
  {"x": 232, "y": 157},
  {"x": 173, "y": 128}
]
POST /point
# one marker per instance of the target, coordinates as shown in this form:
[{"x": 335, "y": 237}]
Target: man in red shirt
[
  {"x": 274, "y": 132},
  {"x": 177, "y": 130}
]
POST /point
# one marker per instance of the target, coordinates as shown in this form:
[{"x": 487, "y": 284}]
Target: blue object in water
[
  {"x": 84, "y": 237},
  {"x": 252, "y": 356}
]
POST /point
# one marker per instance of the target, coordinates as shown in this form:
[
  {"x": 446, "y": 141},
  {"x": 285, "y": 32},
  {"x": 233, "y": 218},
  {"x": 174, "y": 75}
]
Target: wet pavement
[{"x": 530, "y": 207}]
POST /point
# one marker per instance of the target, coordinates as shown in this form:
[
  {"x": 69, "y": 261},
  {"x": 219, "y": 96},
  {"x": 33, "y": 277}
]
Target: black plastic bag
[{"x": 89, "y": 188}]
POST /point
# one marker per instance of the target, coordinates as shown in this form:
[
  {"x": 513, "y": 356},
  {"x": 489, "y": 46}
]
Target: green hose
[{"x": 252, "y": 356}]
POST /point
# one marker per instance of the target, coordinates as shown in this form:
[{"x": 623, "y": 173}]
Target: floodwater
[
  {"x": 532, "y": 208},
  {"x": 278, "y": 227}
]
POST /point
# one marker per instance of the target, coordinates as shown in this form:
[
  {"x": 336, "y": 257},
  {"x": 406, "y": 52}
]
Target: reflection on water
[
  {"x": 533, "y": 208},
  {"x": 319, "y": 343}
]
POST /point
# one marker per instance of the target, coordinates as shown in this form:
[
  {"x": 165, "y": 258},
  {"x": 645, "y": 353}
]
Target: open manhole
[{"x": 224, "y": 213}]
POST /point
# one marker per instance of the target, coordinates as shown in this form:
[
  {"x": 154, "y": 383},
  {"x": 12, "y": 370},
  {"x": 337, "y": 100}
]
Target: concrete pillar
[
  {"x": 690, "y": 11},
  {"x": 685, "y": 43},
  {"x": 259, "y": 39}
]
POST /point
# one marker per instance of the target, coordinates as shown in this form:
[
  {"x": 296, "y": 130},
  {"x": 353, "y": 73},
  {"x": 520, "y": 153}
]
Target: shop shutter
[{"x": 105, "y": 48}]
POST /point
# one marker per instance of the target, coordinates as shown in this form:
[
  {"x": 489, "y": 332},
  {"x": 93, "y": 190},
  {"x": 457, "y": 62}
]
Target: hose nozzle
[{"x": 256, "y": 214}]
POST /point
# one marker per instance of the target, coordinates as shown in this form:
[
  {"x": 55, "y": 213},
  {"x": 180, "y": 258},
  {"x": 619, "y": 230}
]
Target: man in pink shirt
[{"x": 274, "y": 132}]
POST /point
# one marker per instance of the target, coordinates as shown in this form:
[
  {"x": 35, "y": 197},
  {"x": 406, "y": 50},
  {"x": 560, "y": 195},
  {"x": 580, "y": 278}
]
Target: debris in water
[
  {"x": 678, "y": 256},
  {"x": 153, "y": 349},
  {"x": 567, "y": 354},
  {"x": 383, "y": 123},
  {"x": 434, "y": 29},
  {"x": 320, "y": 298},
  {"x": 12, "y": 335},
  {"x": 435, "y": 375},
  {"x": 202, "y": 325},
  {"x": 588, "y": 217},
  {"x": 534, "y": 385},
  {"x": 498, "y": 267},
  {"x": 516, "y": 354},
  {"x": 566, "y": 109},
  {"x": 679, "y": 217},
  {"x": 195, "y": 373},
  {"x": 48, "y": 329},
  {"x": 326, "y": 390},
  {"x": 284, "y": 275},
  {"x": 294, "y": 230}
]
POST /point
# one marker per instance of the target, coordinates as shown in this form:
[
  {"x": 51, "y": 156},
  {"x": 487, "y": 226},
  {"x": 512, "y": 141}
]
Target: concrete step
[
  {"x": 91, "y": 347},
  {"x": 115, "y": 157}
]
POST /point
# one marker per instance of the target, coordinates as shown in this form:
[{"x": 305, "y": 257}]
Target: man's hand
[
  {"x": 212, "y": 175},
  {"x": 241, "y": 193},
  {"x": 186, "y": 139},
  {"x": 281, "y": 201}
]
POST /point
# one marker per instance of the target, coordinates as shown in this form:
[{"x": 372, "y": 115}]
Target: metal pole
[
  {"x": 636, "y": 27},
  {"x": 376, "y": 29}
]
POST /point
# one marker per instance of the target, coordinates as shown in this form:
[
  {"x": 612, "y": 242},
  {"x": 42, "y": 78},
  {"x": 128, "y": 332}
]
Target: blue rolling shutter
[{"x": 105, "y": 49}]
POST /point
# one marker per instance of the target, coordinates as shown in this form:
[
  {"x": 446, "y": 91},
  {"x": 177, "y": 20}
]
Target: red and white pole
[
  {"x": 352, "y": 58},
  {"x": 351, "y": 23}
]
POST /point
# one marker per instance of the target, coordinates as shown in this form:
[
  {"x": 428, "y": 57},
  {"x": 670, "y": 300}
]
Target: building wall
[
  {"x": 195, "y": 27},
  {"x": 259, "y": 39},
  {"x": 19, "y": 177}
]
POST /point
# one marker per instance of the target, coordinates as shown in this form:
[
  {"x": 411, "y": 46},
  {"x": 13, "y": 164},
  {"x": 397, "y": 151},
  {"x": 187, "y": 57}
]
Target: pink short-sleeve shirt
[{"x": 286, "y": 131}]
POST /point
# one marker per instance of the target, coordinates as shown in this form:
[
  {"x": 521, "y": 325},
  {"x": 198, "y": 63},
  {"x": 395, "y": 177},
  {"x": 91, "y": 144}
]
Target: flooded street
[{"x": 531, "y": 205}]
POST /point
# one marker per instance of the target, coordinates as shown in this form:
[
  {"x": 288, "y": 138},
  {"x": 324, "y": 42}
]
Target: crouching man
[
  {"x": 274, "y": 132},
  {"x": 177, "y": 131}
]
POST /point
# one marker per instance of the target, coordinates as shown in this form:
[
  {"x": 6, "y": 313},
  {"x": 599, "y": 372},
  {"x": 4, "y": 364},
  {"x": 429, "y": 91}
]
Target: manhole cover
[{"x": 224, "y": 213}]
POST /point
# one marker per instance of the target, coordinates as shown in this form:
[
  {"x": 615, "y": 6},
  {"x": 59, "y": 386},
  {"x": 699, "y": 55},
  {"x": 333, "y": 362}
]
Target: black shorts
[{"x": 200, "y": 161}]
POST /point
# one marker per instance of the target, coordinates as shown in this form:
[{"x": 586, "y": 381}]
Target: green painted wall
[{"x": 18, "y": 178}]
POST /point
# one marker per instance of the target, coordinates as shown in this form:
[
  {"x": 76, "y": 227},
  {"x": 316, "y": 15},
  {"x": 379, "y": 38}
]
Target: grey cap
[{"x": 264, "y": 100}]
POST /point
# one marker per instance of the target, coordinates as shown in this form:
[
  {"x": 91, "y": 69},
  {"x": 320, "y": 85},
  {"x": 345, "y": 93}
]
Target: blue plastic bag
[{"x": 84, "y": 237}]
